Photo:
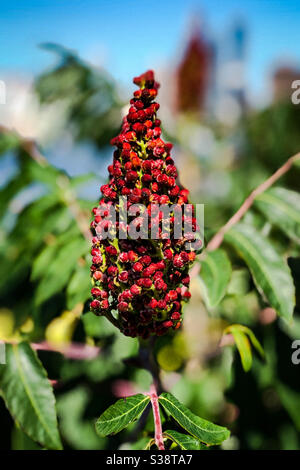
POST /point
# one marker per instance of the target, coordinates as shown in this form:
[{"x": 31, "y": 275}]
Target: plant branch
[
  {"x": 216, "y": 241},
  {"x": 76, "y": 351},
  {"x": 218, "y": 238},
  {"x": 158, "y": 436},
  {"x": 147, "y": 359}
]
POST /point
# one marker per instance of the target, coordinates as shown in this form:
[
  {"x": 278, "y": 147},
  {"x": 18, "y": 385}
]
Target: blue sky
[{"x": 131, "y": 35}]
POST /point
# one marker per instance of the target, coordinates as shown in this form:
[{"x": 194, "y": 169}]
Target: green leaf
[
  {"x": 83, "y": 179},
  {"x": 243, "y": 344},
  {"x": 78, "y": 289},
  {"x": 239, "y": 282},
  {"x": 281, "y": 208},
  {"x": 253, "y": 340},
  {"x": 9, "y": 141},
  {"x": 270, "y": 272},
  {"x": 121, "y": 413},
  {"x": 200, "y": 428},
  {"x": 241, "y": 334},
  {"x": 29, "y": 396},
  {"x": 42, "y": 261},
  {"x": 290, "y": 400},
  {"x": 184, "y": 441},
  {"x": 64, "y": 263},
  {"x": 77, "y": 429},
  {"x": 215, "y": 275},
  {"x": 144, "y": 443}
]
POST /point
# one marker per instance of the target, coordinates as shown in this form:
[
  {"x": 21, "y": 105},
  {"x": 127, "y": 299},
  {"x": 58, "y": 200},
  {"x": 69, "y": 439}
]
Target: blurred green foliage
[{"x": 89, "y": 96}]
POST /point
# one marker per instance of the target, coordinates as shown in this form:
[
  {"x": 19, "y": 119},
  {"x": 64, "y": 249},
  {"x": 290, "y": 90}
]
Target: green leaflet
[
  {"x": 202, "y": 429},
  {"x": 282, "y": 208},
  {"x": 79, "y": 287},
  {"x": 77, "y": 430},
  {"x": 64, "y": 263},
  {"x": 184, "y": 441},
  {"x": 243, "y": 344},
  {"x": 290, "y": 400},
  {"x": 215, "y": 275},
  {"x": 29, "y": 396},
  {"x": 241, "y": 335},
  {"x": 270, "y": 272},
  {"x": 121, "y": 413},
  {"x": 253, "y": 340},
  {"x": 8, "y": 142}
]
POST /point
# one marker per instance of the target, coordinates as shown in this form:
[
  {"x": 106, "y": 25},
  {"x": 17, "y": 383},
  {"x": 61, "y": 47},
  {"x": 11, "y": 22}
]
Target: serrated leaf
[
  {"x": 282, "y": 208},
  {"x": 29, "y": 396},
  {"x": 215, "y": 275},
  {"x": 184, "y": 441},
  {"x": 270, "y": 272},
  {"x": 200, "y": 428},
  {"x": 119, "y": 415}
]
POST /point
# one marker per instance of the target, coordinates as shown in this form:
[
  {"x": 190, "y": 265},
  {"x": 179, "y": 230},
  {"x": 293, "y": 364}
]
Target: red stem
[
  {"x": 75, "y": 351},
  {"x": 157, "y": 422}
]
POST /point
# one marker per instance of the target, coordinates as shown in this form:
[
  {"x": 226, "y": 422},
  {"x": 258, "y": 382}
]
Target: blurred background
[{"x": 226, "y": 71}]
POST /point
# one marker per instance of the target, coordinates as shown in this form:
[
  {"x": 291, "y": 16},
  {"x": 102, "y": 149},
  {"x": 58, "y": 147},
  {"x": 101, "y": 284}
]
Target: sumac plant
[
  {"x": 141, "y": 282},
  {"x": 64, "y": 354}
]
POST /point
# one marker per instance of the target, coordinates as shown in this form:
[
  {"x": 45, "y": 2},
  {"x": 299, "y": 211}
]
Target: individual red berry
[
  {"x": 98, "y": 275},
  {"x": 153, "y": 303},
  {"x": 146, "y": 260},
  {"x": 111, "y": 250},
  {"x": 175, "y": 316},
  {"x": 123, "y": 276},
  {"x": 132, "y": 256},
  {"x": 95, "y": 304},
  {"x": 97, "y": 259},
  {"x": 123, "y": 257},
  {"x": 104, "y": 304},
  {"x": 123, "y": 306},
  {"x": 135, "y": 290},
  {"x": 168, "y": 254},
  {"x": 112, "y": 270},
  {"x": 161, "y": 304},
  {"x": 146, "y": 282},
  {"x": 160, "y": 285},
  {"x": 96, "y": 292},
  {"x": 137, "y": 267}
]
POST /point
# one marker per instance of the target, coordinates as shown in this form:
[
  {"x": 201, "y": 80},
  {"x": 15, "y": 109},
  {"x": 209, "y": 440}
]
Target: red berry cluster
[{"x": 141, "y": 282}]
